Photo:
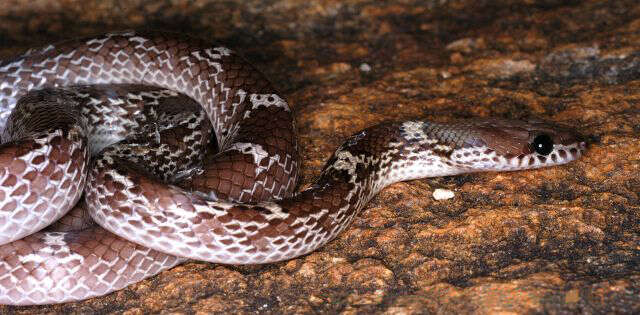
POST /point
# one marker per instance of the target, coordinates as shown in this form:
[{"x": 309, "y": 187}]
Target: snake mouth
[{"x": 561, "y": 154}]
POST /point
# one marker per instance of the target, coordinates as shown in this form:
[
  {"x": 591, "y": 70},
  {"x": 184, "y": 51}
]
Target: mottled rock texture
[{"x": 558, "y": 240}]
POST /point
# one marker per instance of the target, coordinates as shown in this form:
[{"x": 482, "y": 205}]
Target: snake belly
[{"x": 241, "y": 208}]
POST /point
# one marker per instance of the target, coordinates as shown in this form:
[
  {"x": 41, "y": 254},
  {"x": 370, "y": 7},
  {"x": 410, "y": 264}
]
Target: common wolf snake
[{"x": 240, "y": 208}]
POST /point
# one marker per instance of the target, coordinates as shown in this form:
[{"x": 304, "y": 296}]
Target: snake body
[{"x": 240, "y": 208}]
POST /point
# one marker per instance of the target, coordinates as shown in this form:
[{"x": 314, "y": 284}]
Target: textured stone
[{"x": 558, "y": 240}]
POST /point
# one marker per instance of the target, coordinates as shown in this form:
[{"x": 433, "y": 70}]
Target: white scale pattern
[
  {"x": 216, "y": 231},
  {"x": 31, "y": 213}
]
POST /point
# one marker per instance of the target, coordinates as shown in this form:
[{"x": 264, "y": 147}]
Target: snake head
[{"x": 501, "y": 145}]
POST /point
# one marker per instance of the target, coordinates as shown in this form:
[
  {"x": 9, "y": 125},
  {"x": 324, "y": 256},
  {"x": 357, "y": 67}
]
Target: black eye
[{"x": 543, "y": 144}]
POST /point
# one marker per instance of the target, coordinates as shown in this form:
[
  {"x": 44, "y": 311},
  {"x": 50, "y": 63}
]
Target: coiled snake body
[{"x": 54, "y": 119}]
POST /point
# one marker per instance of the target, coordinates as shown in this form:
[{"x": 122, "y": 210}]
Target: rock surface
[{"x": 557, "y": 240}]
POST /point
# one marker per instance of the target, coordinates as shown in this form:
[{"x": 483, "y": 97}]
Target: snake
[{"x": 73, "y": 116}]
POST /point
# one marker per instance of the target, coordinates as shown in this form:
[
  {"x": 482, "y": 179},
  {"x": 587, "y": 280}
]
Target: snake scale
[{"x": 158, "y": 202}]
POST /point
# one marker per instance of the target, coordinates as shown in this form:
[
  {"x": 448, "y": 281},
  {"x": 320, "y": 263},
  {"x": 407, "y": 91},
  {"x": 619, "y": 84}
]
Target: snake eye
[{"x": 543, "y": 144}]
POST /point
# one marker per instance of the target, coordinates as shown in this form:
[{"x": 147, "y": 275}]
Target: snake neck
[{"x": 385, "y": 154}]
